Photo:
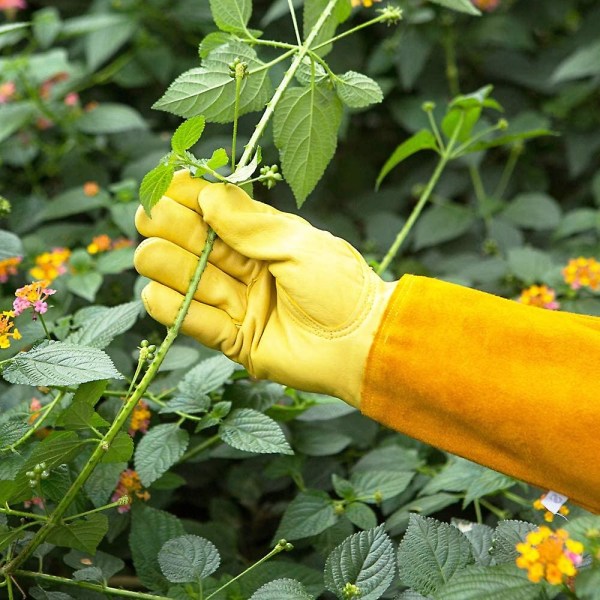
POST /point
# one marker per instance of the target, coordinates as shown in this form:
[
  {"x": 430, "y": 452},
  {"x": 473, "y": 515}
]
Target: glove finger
[
  {"x": 184, "y": 189},
  {"x": 207, "y": 324},
  {"x": 254, "y": 229},
  {"x": 170, "y": 265},
  {"x": 185, "y": 228}
]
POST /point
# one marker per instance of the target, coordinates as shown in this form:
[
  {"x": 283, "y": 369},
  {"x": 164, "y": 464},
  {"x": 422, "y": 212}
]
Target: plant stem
[
  {"x": 207, "y": 443},
  {"x": 94, "y": 510},
  {"x": 43, "y": 322},
  {"x": 239, "y": 75},
  {"x": 293, "y": 14},
  {"x": 335, "y": 38},
  {"x": 122, "y": 417},
  {"x": 451, "y": 67},
  {"x": 287, "y": 78},
  {"x": 515, "y": 152},
  {"x": 414, "y": 215},
  {"x": 94, "y": 587},
  {"x": 19, "y": 513}
]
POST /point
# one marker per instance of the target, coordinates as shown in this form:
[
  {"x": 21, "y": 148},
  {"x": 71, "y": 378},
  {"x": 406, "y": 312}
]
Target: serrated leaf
[
  {"x": 42, "y": 594},
  {"x": 188, "y": 133},
  {"x": 154, "y": 185},
  {"x": 249, "y": 430},
  {"x": 99, "y": 330},
  {"x": 80, "y": 415},
  {"x": 305, "y": 130},
  {"x": 188, "y": 558},
  {"x": 361, "y": 515},
  {"x": 10, "y": 432},
  {"x": 102, "y": 482},
  {"x": 365, "y": 559},
  {"x": 290, "y": 589},
  {"x": 465, "y": 6},
  {"x": 150, "y": 529},
  {"x": 231, "y": 15},
  {"x": 422, "y": 140},
  {"x": 159, "y": 450},
  {"x": 211, "y": 41},
  {"x": 61, "y": 364},
  {"x": 506, "y": 536},
  {"x": 120, "y": 450},
  {"x": 357, "y": 90},
  {"x": 431, "y": 553},
  {"x": 309, "y": 513},
  {"x": 84, "y": 534},
  {"x": 480, "y": 537},
  {"x": 210, "y": 90},
  {"x": 385, "y": 484},
  {"x": 305, "y": 74},
  {"x": 503, "y": 582}
]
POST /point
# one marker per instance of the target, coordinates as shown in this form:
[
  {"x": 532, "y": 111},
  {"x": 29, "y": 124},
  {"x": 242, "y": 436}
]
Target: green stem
[
  {"x": 451, "y": 66},
  {"x": 414, "y": 215},
  {"x": 94, "y": 587},
  {"x": 272, "y": 43},
  {"x": 121, "y": 418},
  {"x": 279, "y": 548},
  {"x": 19, "y": 513},
  {"x": 273, "y": 62},
  {"x": 501, "y": 514},
  {"x": 207, "y": 443},
  {"x": 436, "y": 131},
  {"x": 513, "y": 157},
  {"x": 287, "y": 78},
  {"x": 94, "y": 510},
  {"x": 480, "y": 195},
  {"x": 464, "y": 148},
  {"x": 478, "y": 511},
  {"x": 43, "y": 322},
  {"x": 335, "y": 38},
  {"x": 37, "y": 424},
  {"x": 138, "y": 370},
  {"x": 293, "y": 14}
]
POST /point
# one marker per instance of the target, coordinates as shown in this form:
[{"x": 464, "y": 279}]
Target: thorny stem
[
  {"x": 296, "y": 30},
  {"x": 414, "y": 215},
  {"x": 104, "y": 444}
]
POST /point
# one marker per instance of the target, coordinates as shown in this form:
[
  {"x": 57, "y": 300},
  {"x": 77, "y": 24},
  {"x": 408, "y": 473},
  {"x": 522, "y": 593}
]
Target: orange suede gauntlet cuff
[{"x": 512, "y": 387}]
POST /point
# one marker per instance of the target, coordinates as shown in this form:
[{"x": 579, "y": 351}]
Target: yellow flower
[
  {"x": 8, "y": 329},
  {"x": 366, "y": 3},
  {"x": 100, "y": 243},
  {"x": 129, "y": 485},
  {"x": 548, "y": 516},
  {"x": 8, "y": 266},
  {"x": 549, "y": 555},
  {"x": 539, "y": 295},
  {"x": 140, "y": 418},
  {"x": 50, "y": 265},
  {"x": 582, "y": 272}
]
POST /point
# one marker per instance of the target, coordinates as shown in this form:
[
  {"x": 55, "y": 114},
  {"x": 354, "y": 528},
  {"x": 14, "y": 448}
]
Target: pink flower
[
  {"x": 33, "y": 296},
  {"x": 486, "y": 5},
  {"x": 7, "y": 91},
  {"x": 12, "y": 4},
  {"x": 72, "y": 99}
]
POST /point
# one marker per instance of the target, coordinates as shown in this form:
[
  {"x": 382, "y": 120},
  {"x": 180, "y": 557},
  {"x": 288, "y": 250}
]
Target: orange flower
[
  {"x": 33, "y": 296},
  {"x": 8, "y": 266},
  {"x": 365, "y": 3},
  {"x": 91, "y": 188},
  {"x": 548, "y": 516},
  {"x": 140, "y": 418},
  {"x": 100, "y": 243},
  {"x": 8, "y": 329},
  {"x": 129, "y": 485},
  {"x": 541, "y": 296},
  {"x": 50, "y": 265},
  {"x": 582, "y": 272},
  {"x": 7, "y": 90},
  {"x": 121, "y": 243},
  {"x": 486, "y": 5}
]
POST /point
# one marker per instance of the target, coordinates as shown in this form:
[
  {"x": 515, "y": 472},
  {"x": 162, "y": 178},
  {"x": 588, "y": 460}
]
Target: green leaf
[
  {"x": 84, "y": 534},
  {"x": 305, "y": 130},
  {"x": 249, "y": 430},
  {"x": 46, "y": 25},
  {"x": 506, "y": 140},
  {"x": 90, "y": 392},
  {"x": 188, "y": 133},
  {"x": 102, "y": 482},
  {"x": 319, "y": 440},
  {"x": 13, "y": 116},
  {"x": 587, "y": 584},
  {"x": 357, "y": 90},
  {"x": 577, "y": 221},
  {"x": 309, "y": 513},
  {"x": 386, "y": 484},
  {"x": 211, "y": 41},
  {"x": 313, "y": 9},
  {"x": 504, "y": 582},
  {"x": 73, "y": 202},
  {"x": 10, "y": 27},
  {"x": 85, "y": 285},
  {"x": 398, "y": 521},
  {"x": 154, "y": 185},
  {"x": 115, "y": 261},
  {"x": 528, "y": 264},
  {"x": 188, "y": 558},
  {"x": 533, "y": 210},
  {"x": 422, "y": 140},
  {"x": 120, "y": 450},
  {"x": 506, "y": 536},
  {"x": 60, "y": 363},
  {"x": 10, "y": 432},
  {"x": 8, "y": 536},
  {"x": 242, "y": 173},
  {"x": 583, "y": 62},
  {"x": 465, "y": 6},
  {"x": 210, "y": 89},
  {"x": 104, "y": 42},
  {"x": 365, "y": 559},
  {"x": 159, "y": 450},
  {"x": 80, "y": 415},
  {"x": 10, "y": 245},
  {"x": 98, "y": 329},
  {"x": 42, "y": 594},
  {"x": 304, "y": 74},
  {"x": 110, "y": 118},
  {"x": 290, "y": 589},
  {"x": 481, "y": 538},
  {"x": 150, "y": 529},
  {"x": 231, "y": 15},
  {"x": 431, "y": 553},
  {"x": 487, "y": 482},
  {"x": 361, "y": 515},
  {"x": 442, "y": 223}
]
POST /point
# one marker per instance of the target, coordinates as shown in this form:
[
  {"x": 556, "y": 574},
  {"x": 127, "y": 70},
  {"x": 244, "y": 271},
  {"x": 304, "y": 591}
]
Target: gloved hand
[{"x": 290, "y": 302}]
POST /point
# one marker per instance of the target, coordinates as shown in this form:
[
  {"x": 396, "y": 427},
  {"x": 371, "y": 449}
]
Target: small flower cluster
[
  {"x": 541, "y": 296},
  {"x": 548, "y": 516},
  {"x": 11, "y": 5},
  {"x": 582, "y": 272},
  {"x": 8, "y": 89},
  {"x": 366, "y": 3},
  {"x": 33, "y": 296},
  {"x": 549, "y": 555},
  {"x": 129, "y": 486},
  {"x": 486, "y": 5},
  {"x": 49, "y": 265},
  {"x": 8, "y": 329},
  {"x": 8, "y": 267},
  {"x": 103, "y": 243},
  {"x": 140, "y": 418},
  {"x": 91, "y": 188}
]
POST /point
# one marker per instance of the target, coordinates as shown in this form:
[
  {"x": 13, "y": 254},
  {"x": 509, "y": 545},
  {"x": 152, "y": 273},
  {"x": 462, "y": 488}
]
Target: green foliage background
[{"x": 209, "y": 479}]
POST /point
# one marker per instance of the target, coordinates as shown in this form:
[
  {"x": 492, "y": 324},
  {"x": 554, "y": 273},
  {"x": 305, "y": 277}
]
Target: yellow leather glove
[{"x": 290, "y": 302}]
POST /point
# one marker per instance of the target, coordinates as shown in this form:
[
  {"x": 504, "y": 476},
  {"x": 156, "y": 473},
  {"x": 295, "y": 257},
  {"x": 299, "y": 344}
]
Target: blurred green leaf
[
  {"x": 441, "y": 224},
  {"x": 582, "y": 63},
  {"x": 110, "y": 117},
  {"x": 533, "y": 210},
  {"x": 309, "y": 513},
  {"x": 465, "y": 6}
]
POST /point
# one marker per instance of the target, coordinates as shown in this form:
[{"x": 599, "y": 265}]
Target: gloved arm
[{"x": 486, "y": 378}]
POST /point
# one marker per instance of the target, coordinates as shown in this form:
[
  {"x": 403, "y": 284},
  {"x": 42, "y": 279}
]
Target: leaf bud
[
  {"x": 351, "y": 591},
  {"x": 30, "y": 474},
  {"x": 33, "y": 483},
  {"x": 391, "y": 15},
  {"x": 378, "y": 497},
  {"x": 105, "y": 446},
  {"x": 152, "y": 348},
  {"x": 45, "y": 474},
  {"x": 338, "y": 508},
  {"x": 428, "y": 106},
  {"x": 288, "y": 547},
  {"x": 144, "y": 343},
  {"x": 5, "y": 207},
  {"x": 502, "y": 125}
]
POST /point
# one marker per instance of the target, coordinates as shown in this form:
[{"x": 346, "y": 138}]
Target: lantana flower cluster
[
  {"x": 8, "y": 330},
  {"x": 582, "y": 272},
  {"x": 549, "y": 516},
  {"x": 365, "y": 3},
  {"x": 549, "y": 555},
  {"x": 103, "y": 243},
  {"x": 140, "y": 418},
  {"x": 486, "y": 5},
  {"x": 50, "y": 265},
  {"x": 541, "y": 296},
  {"x": 129, "y": 485},
  {"x": 33, "y": 295},
  {"x": 8, "y": 267}
]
